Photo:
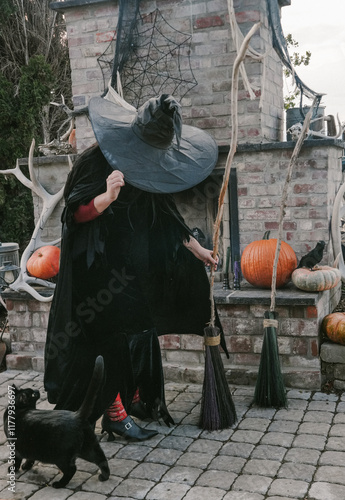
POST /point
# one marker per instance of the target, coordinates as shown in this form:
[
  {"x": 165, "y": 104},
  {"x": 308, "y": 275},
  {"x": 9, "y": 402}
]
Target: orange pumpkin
[
  {"x": 315, "y": 280},
  {"x": 258, "y": 258},
  {"x": 44, "y": 262},
  {"x": 333, "y": 325}
]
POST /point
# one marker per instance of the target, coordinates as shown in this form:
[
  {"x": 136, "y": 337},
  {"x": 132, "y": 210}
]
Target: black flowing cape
[{"x": 125, "y": 277}]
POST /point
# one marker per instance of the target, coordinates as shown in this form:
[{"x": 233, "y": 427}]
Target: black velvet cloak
[{"x": 125, "y": 277}]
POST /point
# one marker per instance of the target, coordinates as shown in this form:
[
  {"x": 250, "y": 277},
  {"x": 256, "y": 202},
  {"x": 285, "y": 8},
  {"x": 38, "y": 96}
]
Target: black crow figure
[{"x": 313, "y": 257}]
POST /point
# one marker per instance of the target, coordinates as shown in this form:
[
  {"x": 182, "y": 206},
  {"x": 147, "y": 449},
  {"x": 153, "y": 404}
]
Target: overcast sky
[{"x": 319, "y": 26}]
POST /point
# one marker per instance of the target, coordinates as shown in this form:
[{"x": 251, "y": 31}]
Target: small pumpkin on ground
[
  {"x": 44, "y": 262},
  {"x": 317, "y": 279},
  {"x": 258, "y": 258},
  {"x": 333, "y": 325}
]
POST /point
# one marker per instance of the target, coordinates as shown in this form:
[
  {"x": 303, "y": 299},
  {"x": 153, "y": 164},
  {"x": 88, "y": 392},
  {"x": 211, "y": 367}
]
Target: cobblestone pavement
[{"x": 294, "y": 453}]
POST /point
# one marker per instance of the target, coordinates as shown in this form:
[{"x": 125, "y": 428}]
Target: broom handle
[
  {"x": 234, "y": 124},
  {"x": 292, "y": 163}
]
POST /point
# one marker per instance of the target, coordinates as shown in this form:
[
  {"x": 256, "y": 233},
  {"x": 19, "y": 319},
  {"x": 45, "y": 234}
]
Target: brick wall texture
[{"x": 91, "y": 28}]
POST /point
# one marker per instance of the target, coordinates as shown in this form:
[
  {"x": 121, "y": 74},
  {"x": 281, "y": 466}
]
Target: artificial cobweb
[{"x": 157, "y": 60}]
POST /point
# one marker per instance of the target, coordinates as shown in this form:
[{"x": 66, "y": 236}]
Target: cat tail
[{"x": 87, "y": 405}]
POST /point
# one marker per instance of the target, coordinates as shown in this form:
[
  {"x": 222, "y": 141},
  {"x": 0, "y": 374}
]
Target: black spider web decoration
[{"x": 158, "y": 61}]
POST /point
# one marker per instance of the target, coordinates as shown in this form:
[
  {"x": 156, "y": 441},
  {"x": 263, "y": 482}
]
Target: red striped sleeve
[{"x": 86, "y": 213}]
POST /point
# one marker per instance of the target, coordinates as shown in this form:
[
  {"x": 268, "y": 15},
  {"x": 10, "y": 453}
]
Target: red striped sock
[
  {"x": 136, "y": 397},
  {"x": 116, "y": 411}
]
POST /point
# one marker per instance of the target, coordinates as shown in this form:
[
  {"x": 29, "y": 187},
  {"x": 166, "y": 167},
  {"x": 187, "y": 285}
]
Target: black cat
[{"x": 57, "y": 436}]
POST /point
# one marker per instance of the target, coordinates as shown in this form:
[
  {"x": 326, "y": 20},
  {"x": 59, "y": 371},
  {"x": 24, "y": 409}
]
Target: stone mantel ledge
[{"x": 287, "y": 296}]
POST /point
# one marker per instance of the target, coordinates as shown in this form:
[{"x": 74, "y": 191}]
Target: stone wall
[
  {"x": 333, "y": 365},
  {"x": 51, "y": 173},
  {"x": 317, "y": 175},
  {"x": 241, "y": 313}
]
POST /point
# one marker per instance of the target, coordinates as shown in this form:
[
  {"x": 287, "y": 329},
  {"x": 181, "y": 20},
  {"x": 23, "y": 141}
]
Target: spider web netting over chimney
[{"x": 150, "y": 56}]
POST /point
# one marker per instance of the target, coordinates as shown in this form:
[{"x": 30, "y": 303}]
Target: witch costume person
[{"x": 130, "y": 269}]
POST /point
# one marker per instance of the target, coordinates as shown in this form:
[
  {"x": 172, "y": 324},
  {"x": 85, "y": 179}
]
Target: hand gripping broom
[
  {"x": 270, "y": 389},
  {"x": 217, "y": 407}
]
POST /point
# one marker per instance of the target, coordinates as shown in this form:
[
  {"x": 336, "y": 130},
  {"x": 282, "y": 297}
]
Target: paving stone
[
  {"x": 326, "y": 491},
  {"x": 309, "y": 441},
  {"x": 336, "y": 444},
  {"x": 289, "y": 487},
  {"x": 194, "y": 388},
  {"x": 339, "y": 418},
  {"x": 188, "y": 396},
  {"x": 80, "y": 495},
  {"x": 341, "y": 407},
  {"x": 183, "y": 406},
  {"x": 257, "y": 424},
  {"x": 190, "y": 431},
  {"x": 133, "y": 452},
  {"x": 274, "y": 497},
  {"x": 291, "y": 470},
  {"x": 332, "y": 458},
  {"x": 337, "y": 430},
  {"x": 201, "y": 460},
  {"x": 104, "y": 487},
  {"x": 110, "y": 449},
  {"x": 133, "y": 488},
  {"x": 318, "y": 416},
  {"x": 121, "y": 468},
  {"x": 163, "y": 456},
  {"x": 191, "y": 419},
  {"x": 168, "y": 491},
  {"x": 242, "y": 495},
  {"x": 298, "y": 394},
  {"x": 278, "y": 438},
  {"x": 176, "y": 443},
  {"x": 314, "y": 428},
  {"x": 199, "y": 492},
  {"x": 303, "y": 456},
  {"x": 331, "y": 474},
  {"x": 222, "y": 435},
  {"x": 322, "y": 406},
  {"x": 295, "y": 415},
  {"x": 182, "y": 475},
  {"x": 217, "y": 479},
  {"x": 25, "y": 490},
  {"x": 247, "y": 436},
  {"x": 322, "y": 396},
  {"x": 152, "y": 472},
  {"x": 256, "y": 412},
  {"x": 268, "y": 452},
  {"x": 298, "y": 404},
  {"x": 205, "y": 446},
  {"x": 262, "y": 467},
  {"x": 288, "y": 426},
  {"x": 228, "y": 463},
  {"x": 237, "y": 449},
  {"x": 252, "y": 483}
]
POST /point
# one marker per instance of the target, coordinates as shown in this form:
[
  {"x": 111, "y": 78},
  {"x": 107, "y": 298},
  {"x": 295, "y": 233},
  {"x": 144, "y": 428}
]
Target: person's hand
[
  {"x": 115, "y": 182},
  {"x": 207, "y": 257},
  {"x": 201, "y": 253}
]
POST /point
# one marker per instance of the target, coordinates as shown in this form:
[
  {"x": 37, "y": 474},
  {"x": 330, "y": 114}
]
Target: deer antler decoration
[{"x": 24, "y": 282}]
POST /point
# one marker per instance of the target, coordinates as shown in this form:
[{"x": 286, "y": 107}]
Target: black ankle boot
[
  {"x": 140, "y": 411},
  {"x": 127, "y": 428}
]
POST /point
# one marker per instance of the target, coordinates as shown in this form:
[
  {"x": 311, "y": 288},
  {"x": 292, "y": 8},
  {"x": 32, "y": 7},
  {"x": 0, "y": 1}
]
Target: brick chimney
[{"x": 91, "y": 25}]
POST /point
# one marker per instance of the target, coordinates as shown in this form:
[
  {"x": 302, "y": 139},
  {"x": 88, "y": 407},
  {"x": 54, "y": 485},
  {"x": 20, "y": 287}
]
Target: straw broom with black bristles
[
  {"x": 217, "y": 406},
  {"x": 270, "y": 389}
]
